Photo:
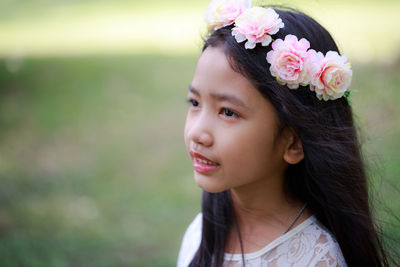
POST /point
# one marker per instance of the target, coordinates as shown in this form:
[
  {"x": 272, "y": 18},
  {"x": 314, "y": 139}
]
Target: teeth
[{"x": 206, "y": 162}]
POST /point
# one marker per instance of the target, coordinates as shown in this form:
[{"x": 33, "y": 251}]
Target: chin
[{"x": 209, "y": 184}]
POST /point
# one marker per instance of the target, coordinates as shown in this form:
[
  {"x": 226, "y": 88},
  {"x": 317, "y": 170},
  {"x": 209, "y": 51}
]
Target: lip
[{"x": 202, "y": 167}]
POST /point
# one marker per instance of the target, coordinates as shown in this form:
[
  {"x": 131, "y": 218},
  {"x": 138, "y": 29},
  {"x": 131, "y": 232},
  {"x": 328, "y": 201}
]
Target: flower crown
[{"x": 292, "y": 62}]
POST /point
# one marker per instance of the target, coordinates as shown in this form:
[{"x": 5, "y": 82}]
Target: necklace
[{"x": 295, "y": 219}]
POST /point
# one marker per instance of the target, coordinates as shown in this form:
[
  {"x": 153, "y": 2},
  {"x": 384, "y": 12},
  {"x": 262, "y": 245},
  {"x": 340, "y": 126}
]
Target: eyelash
[
  {"x": 224, "y": 111},
  {"x": 234, "y": 114},
  {"x": 192, "y": 102}
]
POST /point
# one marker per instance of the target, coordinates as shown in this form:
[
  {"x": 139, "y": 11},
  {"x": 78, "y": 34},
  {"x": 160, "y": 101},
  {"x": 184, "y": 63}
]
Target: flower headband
[{"x": 292, "y": 62}]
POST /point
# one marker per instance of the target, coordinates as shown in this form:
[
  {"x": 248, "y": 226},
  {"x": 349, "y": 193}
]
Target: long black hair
[{"x": 331, "y": 179}]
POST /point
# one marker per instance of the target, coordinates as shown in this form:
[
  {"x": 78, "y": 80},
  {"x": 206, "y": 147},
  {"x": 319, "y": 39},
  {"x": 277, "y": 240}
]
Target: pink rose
[
  {"x": 332, "y": 76},
  {"x": 221, "y": 13},
  {"x": 291, "y": 64},
  {"x": 256, "y": 24}
]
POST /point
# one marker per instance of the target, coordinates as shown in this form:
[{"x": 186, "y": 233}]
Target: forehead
[
  {"x": 214, "y": 75},
  {"x": 214, "y": 63}
]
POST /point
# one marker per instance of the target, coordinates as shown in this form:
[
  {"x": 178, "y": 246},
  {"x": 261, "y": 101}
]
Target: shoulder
[
  {"x": 309, "y": 244},
  {"x": 190, "y": 242},
  {"x": 324, "y": 249}
]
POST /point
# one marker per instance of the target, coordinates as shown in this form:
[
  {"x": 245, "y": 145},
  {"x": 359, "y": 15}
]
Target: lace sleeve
[
  {"x": 190, "y": 243},
  {"x": 308, "y": 244},
  {"x": 327, "y": 253}
]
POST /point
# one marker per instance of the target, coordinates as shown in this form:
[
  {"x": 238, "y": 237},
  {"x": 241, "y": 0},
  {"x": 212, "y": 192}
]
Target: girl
[{"x": 273, "y": 144}]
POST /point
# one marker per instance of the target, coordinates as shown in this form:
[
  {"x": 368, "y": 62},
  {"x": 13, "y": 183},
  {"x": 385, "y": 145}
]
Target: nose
[{"x": 200, "y": 130}]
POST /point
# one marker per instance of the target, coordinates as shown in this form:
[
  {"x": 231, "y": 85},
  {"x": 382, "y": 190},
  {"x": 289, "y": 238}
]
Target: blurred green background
[{"x": 93, "y": 169}]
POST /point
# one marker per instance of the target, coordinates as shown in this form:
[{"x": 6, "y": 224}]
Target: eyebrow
[{"x": 221, "y": 97}]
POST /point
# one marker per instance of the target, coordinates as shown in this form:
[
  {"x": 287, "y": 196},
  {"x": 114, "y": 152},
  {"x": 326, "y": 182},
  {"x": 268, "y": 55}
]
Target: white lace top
[{"x": 308, "y": 244}]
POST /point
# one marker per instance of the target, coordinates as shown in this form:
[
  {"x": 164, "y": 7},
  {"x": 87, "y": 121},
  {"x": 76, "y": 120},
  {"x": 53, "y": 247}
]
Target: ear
[{"x": 293, "y": 153}]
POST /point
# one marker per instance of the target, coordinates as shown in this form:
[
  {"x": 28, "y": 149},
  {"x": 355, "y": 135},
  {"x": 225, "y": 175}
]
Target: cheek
[
  {"x": 250, "y": 153},
  {"x": 186, "y": 130}
]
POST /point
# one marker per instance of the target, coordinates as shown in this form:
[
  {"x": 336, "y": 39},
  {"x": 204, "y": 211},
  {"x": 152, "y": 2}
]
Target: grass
[{"x": 93, "y": 166}]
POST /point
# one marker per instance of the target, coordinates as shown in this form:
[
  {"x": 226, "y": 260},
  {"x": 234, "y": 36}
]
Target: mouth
[{"x": 202, "y": 164}]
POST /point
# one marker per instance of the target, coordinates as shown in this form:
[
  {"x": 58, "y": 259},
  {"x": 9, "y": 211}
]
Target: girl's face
[{"x": 231, "y": 129}]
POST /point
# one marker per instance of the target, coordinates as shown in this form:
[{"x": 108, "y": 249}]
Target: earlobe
[{"x": 294, "y": 150}]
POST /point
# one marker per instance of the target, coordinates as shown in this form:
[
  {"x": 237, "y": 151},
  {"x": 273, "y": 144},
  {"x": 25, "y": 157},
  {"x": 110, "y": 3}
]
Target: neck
[
  {"x": 264, "y": 212},
  {"x": 264, "y": 203}
]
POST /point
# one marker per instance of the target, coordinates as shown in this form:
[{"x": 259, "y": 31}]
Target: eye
[
  {"x": 193, "y": 102},
  {"x": 229, "y": 113}
]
